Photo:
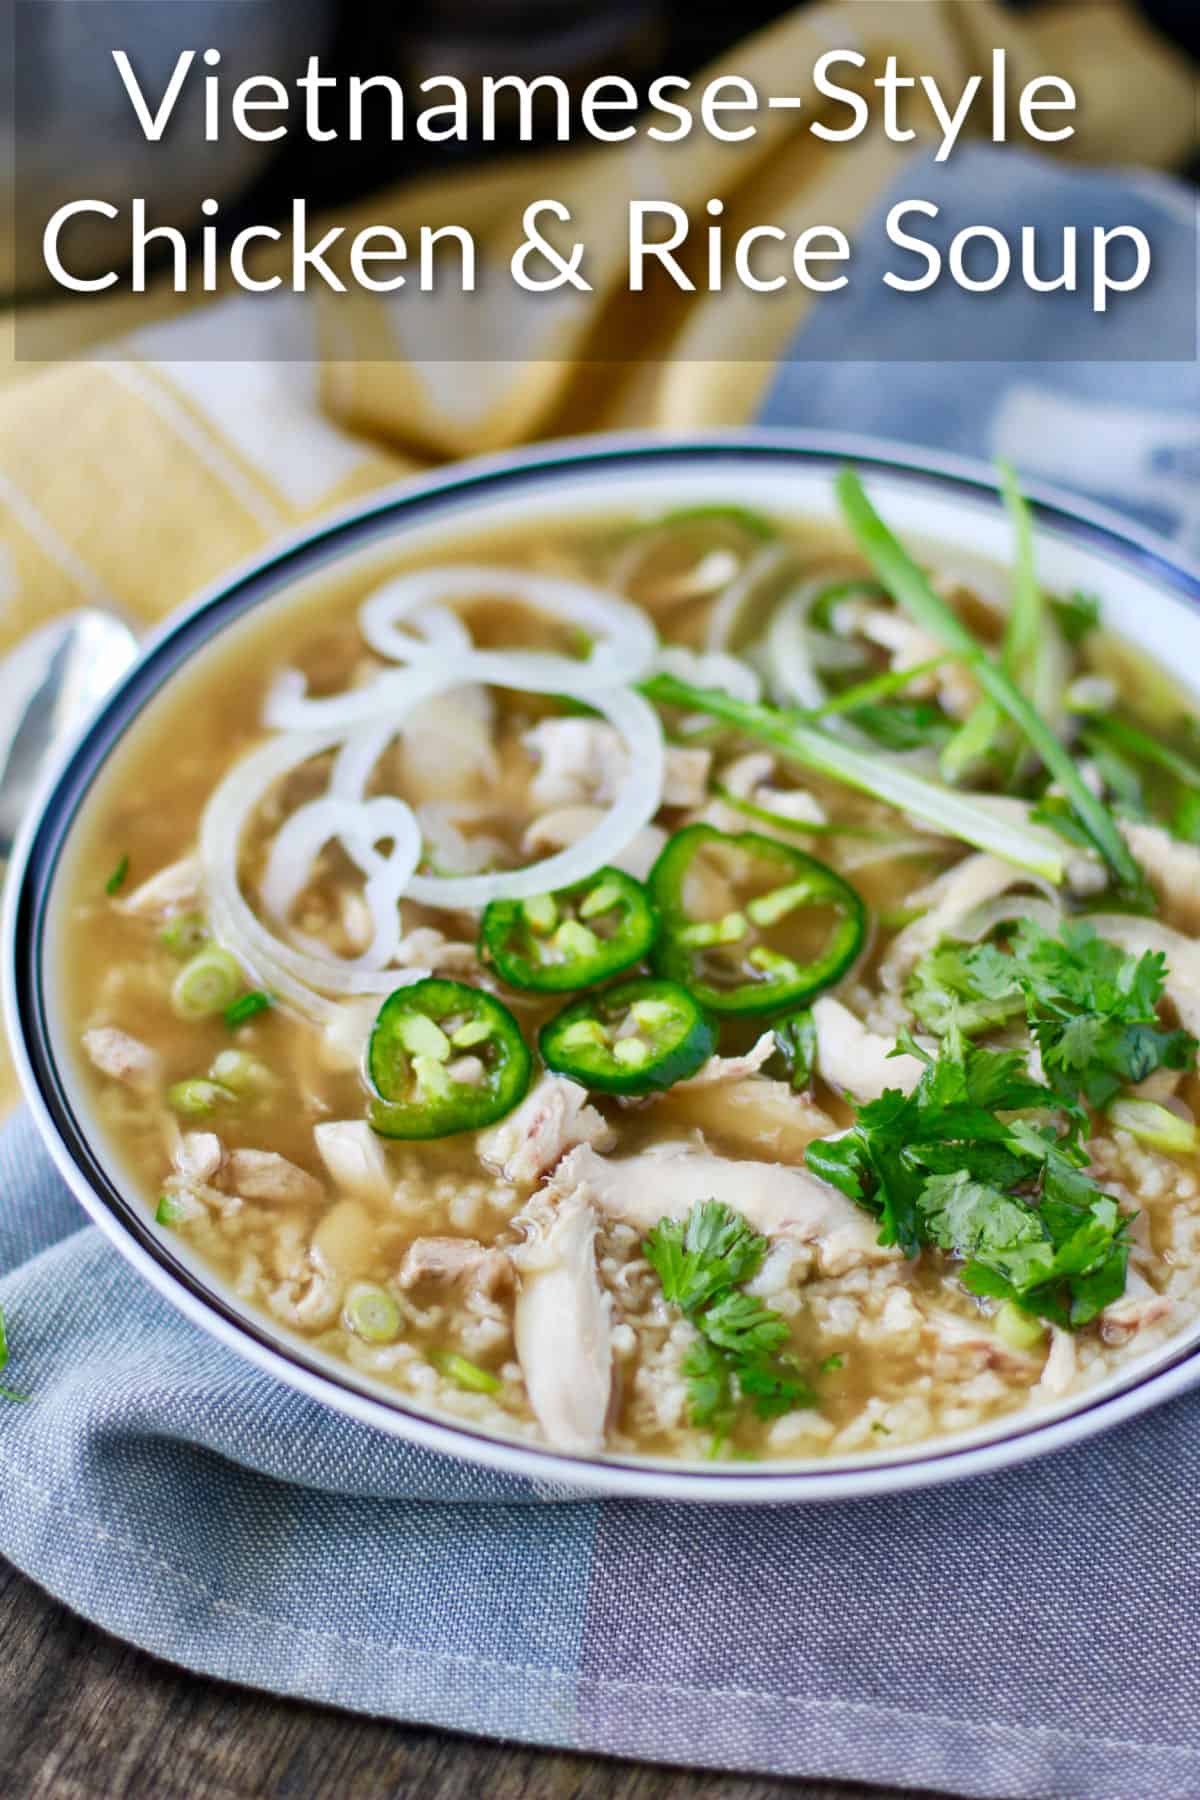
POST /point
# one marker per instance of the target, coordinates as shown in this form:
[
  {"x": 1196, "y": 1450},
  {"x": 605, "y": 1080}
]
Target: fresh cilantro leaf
[
  {"x": 711, "y": 1399},
  {"x": 1090, "y": 1006},
  {"x": 959, "y": 1164},
  {"x": 742, "y": 1324},
  {"x": 699, "y": 1257},
  {"x": 740, "y": 1351}
]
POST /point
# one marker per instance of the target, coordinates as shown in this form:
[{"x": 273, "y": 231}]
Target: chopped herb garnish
[
  {"x": 954, "y": 1165},
  {"x": 116, "y": 880},
  {"x": 1091, "y": 1007},
  {"x": 246, "y": 1008},
  {"x": 832, "y": 1363},
  {"x": 701, "y": 1262}
]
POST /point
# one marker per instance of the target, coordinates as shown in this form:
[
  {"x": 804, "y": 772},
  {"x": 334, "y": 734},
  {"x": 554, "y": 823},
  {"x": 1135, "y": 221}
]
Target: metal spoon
[{"x": 47, "y": 685}]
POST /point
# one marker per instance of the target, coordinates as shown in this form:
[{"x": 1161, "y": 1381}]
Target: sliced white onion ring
[
  {"x": 726, "y": 615},
  {"x": 624, "y": 639},
  {"x": 359, "y": 827},
  {"x": 289, "y": 708},
  {"x": 292, "y": 974}
]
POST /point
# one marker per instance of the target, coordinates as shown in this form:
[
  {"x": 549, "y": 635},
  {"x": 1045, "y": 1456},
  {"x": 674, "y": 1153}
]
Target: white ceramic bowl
[{"x": 1148, "y": 596}]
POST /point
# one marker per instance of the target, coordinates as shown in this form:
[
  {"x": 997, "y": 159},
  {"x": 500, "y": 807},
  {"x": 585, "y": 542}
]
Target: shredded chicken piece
[
  {"x": 954, "y": 1333},
  {"x": 1139, "y": 1305},
  {"x": 354, "y": 1158},
  {"x": 856, "y": 1061},
  {"x": 264, "y": 1175},
  {"x": 1173, "y": 868},
  {"x": 764, "y": 1118},
  {"x": 198, "y": 1156},
  {"x": 122, "y": 1058},
  {"x": 584, "y": 760},
  {"x": 562, "y": 1324},
  {"x": 447, "y": 746},
  {"x": 666, "y": 1181},
  {"x": 179, "y": 885},
  {"x": 721, "y": 1069},
  {"x": 910, "y": 645},
  {"x": 426, "y": 947},
  {"x": 1060, "y": 1368},
  {"x": 447, "y": 1259},
  {"x": 344, "y": 1039},
  {"x": 553, "y": 1117}
]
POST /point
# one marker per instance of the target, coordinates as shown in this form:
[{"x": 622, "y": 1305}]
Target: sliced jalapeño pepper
[
  {"x": 635, "y": 1038},
  {"x": 757, "y": 955},
  {"x": 555, "y": 943},
  {"x": 444, "y": 1057}
]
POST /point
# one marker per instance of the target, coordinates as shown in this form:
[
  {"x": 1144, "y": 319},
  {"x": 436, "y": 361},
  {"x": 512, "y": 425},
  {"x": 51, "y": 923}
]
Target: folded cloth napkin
[{"x": 1035, "y": 1633}]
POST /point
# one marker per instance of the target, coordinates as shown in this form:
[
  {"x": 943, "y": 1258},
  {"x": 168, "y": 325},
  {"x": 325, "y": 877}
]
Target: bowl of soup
[{"x": 666, "y": 967}]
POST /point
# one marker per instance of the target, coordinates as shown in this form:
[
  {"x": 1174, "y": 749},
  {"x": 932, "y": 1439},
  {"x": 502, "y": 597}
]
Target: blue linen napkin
[{"x": 1034, "y": 1633}]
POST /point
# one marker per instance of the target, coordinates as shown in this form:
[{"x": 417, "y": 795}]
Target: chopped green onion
[
  {"x": 879, "y": 687},
  {"x": 241, "y": 1073},
  {"x": 1154, "y": 1124},
  {"x": 185, "y": 935},
  {"x": 883, "y": 778},
  {"x": 832, "y": 1363},
  {"x": 1018, "y": 1329},
  {"x": 465, "y": 1374},
  {"x": 247, "y": 1007},
  {"x": 1138, "y": 743},
  {"x": 206, "y": 984},
  {"x": 178, "y": 1209},
  {"x": 372, "y": 1314},
  {"x": 116, "y": 880},
  {"x": 910, "y": 587},
  {"x": 195, "y": 1097}
]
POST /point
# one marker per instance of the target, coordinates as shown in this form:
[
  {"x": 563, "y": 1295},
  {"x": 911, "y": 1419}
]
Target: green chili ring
[
  {"x": 418, "y": 1036},
  {"x": 773, "y": 981},
  {"x": 573, "y": 938},
  {"x": 636, "y": 1038}
]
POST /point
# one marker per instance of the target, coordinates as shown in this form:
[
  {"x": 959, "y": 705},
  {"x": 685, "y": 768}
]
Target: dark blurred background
[{"x": 68, "y": 121}]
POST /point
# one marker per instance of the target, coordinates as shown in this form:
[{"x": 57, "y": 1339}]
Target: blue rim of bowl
[{"x": 37, "y": 857}]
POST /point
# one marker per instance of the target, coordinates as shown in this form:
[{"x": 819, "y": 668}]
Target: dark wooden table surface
[{"x": 86, "y": 1718}]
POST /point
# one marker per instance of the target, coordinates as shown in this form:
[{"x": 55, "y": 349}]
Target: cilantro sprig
[
  {"x": 1091, "y": 1007},
  {"x": 982, "y": 1162},
  {"x": 702, "y": 1263}
]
